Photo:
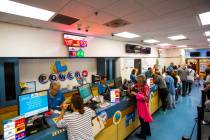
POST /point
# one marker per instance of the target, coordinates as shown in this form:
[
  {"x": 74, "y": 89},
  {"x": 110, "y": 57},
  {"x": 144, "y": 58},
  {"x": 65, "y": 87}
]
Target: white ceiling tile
[
  {"x": 169, "y": 6},
  {"x": 101, "y": 18},
  {"x": 140, "y": 16},
  {"x": 150, "y": 3},
  {"x": 53, "y": 5},
  {"x": 123, "y": 7},
  {"x": 99, "y": 4},
  {"x": 78, "y": 10}
]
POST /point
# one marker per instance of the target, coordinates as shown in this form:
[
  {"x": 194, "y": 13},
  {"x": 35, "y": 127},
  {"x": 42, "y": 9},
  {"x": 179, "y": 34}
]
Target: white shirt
[
  {"x": 191, "y": 75},
  {"x": 79, "y": 126}
]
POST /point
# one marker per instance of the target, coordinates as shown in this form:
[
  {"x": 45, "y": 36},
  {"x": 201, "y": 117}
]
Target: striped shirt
[{"x": 79, "y": 126}]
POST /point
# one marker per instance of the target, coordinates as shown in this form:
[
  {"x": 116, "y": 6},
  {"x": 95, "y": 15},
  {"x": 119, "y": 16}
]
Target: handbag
[{"x": 97, "y": 125}]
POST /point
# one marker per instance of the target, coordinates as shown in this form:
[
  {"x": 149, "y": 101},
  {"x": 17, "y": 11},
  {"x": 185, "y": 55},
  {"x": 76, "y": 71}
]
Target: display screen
[
  {"x": 145, "y": 50},
  {"x": 129, "y": 48},
  {"x": 74, "y": 41},
  {"x": 194, "y": 54},
  {"x": 33, "y": 103},
  {"x": 208, "y": 53},
  {"x": 85, "y": 92}
]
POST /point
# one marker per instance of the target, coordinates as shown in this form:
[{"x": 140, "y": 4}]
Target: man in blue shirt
[
  {"x": 103, "y": 87},
  {"x": 171, "y": 88},
  {"x": 55, "y": 97}
]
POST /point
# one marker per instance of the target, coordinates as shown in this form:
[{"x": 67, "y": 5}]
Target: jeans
[
  {"x": 172, "y": 100},
  {"x": 163, "y": 94}
]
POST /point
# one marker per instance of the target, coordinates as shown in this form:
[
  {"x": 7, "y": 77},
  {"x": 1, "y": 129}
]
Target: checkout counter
[{"x": 129, "y": 120}]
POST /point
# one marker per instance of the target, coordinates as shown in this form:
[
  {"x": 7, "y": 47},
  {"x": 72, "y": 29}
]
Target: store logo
[{"x": 44, "y": 78}]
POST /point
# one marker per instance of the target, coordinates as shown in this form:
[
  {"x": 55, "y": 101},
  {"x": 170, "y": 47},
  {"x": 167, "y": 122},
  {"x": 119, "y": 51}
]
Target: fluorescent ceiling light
[
  {"x": 208, "y": 39},
  {"x": 182, "y": 46},
  {"x": 151, "y": 41},
  {"x": 126, "y": 35},
  {"x": 164, "y": 44},
  {"x": 205, "y": 18},
  {"x": 177, "y": 37},
  {"x": 19, "y": 9},
  {"x": 207, "y": 33}
]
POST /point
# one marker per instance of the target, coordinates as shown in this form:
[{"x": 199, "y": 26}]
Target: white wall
[
  {"x": 22, "y": 41},
  {"x": 172, "y": 55},
  {"x": 30, "y": 69}
]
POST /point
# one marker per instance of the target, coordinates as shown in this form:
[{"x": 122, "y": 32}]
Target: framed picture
[{"x": 29, "y": 87}]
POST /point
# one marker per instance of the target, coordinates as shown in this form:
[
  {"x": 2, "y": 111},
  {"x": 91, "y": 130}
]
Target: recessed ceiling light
[
  {"x": 208, "y": 39},
  {"x": 151, "y": 41},
  {"x": 164, "y": 44},
  {"x": 126, "y": 35},
  {"x": 177, "y": 37},
  {"x": 182, "y": 46},
  {"x": 205, "y": 18},
  {"x": 19, "y": 9},
  {"x": 207, "y": 33}
]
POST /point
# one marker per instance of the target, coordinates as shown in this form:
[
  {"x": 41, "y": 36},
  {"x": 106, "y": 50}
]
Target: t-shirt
[
  {"x": 170, "y": 84},
  {"x": 159, "y": 80},
  {"x": 133, "y": 78},
  {"x": 79, "y": 126},
  {"x": 102, "y": 88},
  {"x": 55, "y": 101}
]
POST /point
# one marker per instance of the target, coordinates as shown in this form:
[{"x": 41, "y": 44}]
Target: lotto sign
[
  {"x": 74, "y": 41},
  {"x": 14, "y": 129}
]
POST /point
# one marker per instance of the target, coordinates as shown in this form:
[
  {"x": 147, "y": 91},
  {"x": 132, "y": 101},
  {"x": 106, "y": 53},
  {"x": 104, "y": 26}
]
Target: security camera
[
  {"x": 79, "y": 26},
  {"x": 96, "y": 13},
  {"x": 112, "y": 34},
  {"x": 87, "y": 29}
]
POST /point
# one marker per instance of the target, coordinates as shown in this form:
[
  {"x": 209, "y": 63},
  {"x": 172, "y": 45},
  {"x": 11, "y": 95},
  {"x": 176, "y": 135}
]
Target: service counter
[{"x": 126, "y": 126}]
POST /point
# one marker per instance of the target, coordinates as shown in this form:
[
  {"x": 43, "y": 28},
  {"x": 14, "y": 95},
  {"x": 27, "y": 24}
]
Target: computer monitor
[
  {"x": 33, "y": 103},
  {"x": 85, "y": 92},
  {"x": 118, "y": 82}
]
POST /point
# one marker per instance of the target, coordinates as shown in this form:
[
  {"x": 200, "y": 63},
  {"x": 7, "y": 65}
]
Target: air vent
[
  {"x": 117, "y": 23},
  {"x": 64, "y": 19}
]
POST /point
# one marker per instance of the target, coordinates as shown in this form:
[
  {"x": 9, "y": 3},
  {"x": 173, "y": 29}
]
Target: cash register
[{"x": 33, "y": 106}]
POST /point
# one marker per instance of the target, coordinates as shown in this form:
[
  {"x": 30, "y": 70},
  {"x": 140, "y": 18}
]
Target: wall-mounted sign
[
  {"x": 74, "y": 41},
  {"x": 58, "y": 66},
  {"x": 76, "y": 53},
  {"x": 80, "y": 77}
]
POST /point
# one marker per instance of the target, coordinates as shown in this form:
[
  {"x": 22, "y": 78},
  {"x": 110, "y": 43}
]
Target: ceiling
[{"x": 156, "y": 19}]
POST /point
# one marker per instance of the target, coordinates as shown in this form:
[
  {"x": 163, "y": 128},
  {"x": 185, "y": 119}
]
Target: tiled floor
[{"x": 176, "y": 122}]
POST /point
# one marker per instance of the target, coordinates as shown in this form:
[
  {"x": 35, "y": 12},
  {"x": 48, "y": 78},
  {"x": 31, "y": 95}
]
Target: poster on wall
[
  {"x": 202, "y": 67},
  {"x": 28, "y": 87}
]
